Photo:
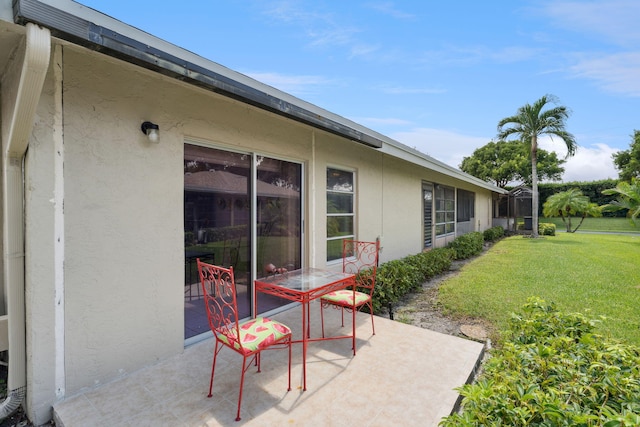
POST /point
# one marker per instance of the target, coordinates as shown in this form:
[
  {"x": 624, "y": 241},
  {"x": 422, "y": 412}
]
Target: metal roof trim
[
  {"x": 112, "y": 40},
  {"x": 79, "y": 24}
]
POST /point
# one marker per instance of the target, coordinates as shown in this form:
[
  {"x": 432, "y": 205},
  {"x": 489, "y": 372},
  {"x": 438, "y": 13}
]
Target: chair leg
[
  {"x": 289, "y": 389},
  {"x": 373, "y": 326},
  {"x": 353, "y": 325},
  {"x": 322, "y": 317},
  {"x": 216, "y": 350},
  {"x": 244, "y": 369}
]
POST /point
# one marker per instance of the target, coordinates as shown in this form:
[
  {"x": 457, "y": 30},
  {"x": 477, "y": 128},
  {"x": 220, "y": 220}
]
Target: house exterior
[{"x": 101, "y": 225}]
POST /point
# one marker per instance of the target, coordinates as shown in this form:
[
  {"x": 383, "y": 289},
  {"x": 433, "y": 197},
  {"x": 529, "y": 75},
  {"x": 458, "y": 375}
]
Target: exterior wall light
[{"x": 152, "y": 131}]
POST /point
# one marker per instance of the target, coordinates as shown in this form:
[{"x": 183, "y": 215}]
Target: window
[
  {"x": 466, "y": 205},
  {"x": 427, "y": 213},
  {"x": 445, "y": 210},
  {"x": 340, "y": 210}
]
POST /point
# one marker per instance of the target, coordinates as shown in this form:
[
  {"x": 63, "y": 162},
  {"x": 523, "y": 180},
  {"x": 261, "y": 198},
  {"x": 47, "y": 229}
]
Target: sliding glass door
[
  {"x": 278, "y": 222},
  {"x": 237, "y": 205}
]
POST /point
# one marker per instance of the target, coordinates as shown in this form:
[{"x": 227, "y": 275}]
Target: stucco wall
[
  {"x": 123, "y": 223},
  {"x": 123, "y": 208}
]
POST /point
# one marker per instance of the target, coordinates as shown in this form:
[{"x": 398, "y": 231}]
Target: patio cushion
[
  {"x": 345, "y": 297},
  {"x": 255, "y": 334}
]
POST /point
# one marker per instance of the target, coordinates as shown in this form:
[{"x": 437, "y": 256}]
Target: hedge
[
  {"x": 467, "y": 245},
  {"x": 399, "y": 277},
  {"x": 494, "y": 233},
  {"x": 593, "y": 190}
]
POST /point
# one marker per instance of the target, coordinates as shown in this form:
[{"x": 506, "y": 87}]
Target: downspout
[{"x": 17, "y": 128}]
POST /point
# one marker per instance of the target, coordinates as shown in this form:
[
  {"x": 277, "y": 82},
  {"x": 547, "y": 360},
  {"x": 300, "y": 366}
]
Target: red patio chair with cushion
[
  {"x": 248, "y": 338},
  {"x": 361, "y": 259}
]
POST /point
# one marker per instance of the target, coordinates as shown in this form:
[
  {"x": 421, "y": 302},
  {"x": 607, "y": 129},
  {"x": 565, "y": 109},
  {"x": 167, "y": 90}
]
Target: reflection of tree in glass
[
  {"x": 338, "y": 180},
  {"x": 333, "y": 225},
  {"x": 285, "y": 183}
]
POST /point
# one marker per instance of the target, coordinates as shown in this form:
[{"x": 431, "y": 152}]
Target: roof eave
[
  {"x": 110, "y": 41},
  {"x": 75, "y": 23}
]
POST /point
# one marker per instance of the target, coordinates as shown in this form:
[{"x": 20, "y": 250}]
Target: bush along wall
[
  {"x": 467, "y": 245},
  {"x": 397, "y": 278},
  {"x": 552, "y": 370},
  {"x": 492, "y": 234}
]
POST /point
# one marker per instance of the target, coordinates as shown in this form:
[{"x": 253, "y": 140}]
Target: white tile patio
[{"x": 402, "y": 376}]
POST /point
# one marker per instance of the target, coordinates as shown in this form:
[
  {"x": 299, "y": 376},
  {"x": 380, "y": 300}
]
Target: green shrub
[
  {"x": 396, "y": 278},
  {"x": 393, "y": 280},
  {"x": 494, "y": 233},
  {"x": 552, "y": 370},
  {"x": 546, "y": 229},
  {"x": 467, "y": 245},
  {"x": 431, "y": 263},
  {"x": 224, "y": 233}
]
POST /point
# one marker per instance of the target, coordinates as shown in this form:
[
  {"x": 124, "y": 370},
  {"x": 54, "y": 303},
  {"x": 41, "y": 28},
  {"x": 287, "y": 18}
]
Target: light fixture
[{"x": 152, "y": 131}]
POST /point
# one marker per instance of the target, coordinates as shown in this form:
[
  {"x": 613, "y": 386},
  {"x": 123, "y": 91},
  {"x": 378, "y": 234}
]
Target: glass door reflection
[
  {"x": 279, "y": 207},
  {"x": 218, "y": 224},
  {"x": 217, "y": 219}
]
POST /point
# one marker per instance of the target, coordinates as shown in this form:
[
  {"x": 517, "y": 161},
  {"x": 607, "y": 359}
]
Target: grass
[
  {"x": 596, "y": 273},
  {"x": 617, "y": 225}
]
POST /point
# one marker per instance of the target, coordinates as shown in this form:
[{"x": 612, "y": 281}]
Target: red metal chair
[
  {"x": 361, "y": 259},
  {"x": 248, "y": 338}
]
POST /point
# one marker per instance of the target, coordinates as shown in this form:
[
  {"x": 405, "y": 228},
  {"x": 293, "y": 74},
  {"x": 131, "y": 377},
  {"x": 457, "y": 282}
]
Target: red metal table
[{"x": 304, "y": 286}]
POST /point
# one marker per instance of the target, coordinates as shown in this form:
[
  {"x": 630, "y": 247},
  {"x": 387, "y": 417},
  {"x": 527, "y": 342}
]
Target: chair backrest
[
  {"x": 219, "y": 290},
  {"x": 361, "y": 259}
]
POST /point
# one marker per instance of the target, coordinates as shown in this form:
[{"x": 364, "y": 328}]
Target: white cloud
[
  {"x": 389, "y": 8},
  {"x": 373, "y": 122},
  {"x": 363, "y": 50},
  {"x": 616, "y": 20},
  {"x": 399, "y": 90},
  {"x": 591, "y": 163},
  {"x": 297, "y": 85},
  {"x": 320, "y": 27},
  {"x": 619, "y": 73},
  {"x": 444, "y": 145}
]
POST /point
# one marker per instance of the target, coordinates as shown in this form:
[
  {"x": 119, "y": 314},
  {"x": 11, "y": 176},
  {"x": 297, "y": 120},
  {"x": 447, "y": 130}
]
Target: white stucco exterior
[{"x": 104, "y": 243}]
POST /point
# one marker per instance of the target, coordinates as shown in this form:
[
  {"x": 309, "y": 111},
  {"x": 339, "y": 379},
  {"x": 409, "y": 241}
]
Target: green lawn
[
  {"x": 595, "y": 272},
  {"x": 618, "y": 225}
]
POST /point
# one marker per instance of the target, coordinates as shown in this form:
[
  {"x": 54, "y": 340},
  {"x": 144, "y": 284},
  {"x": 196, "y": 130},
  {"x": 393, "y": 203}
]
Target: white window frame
[
  {"x": 351, "y": 215},
  {"x": 441, "y": 209}
]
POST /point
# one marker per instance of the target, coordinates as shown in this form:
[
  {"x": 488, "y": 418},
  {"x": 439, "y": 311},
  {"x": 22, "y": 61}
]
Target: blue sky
[{"x": 434, "y": 75}]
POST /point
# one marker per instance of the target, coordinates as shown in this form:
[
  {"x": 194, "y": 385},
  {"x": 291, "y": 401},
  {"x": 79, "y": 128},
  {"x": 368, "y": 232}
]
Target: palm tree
[
  {"x": 628, "y": 198},
  {"x": 529, "y": 123},
  {"x": 567, "y": 204}
]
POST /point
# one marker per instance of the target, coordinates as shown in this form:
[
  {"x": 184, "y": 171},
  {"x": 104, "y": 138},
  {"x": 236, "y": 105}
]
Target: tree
[
  {"x": 628, "y": 198},
  {"x": 628, "y": 161},
  {"x": 568, "y": 204},
  {"x": 505, "y": 162},
  {"x": 530, "y": 122}
]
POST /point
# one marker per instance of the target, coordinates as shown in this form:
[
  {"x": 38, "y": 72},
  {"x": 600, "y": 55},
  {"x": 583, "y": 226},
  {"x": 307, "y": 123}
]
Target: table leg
[{"x": 304, "y": 345}]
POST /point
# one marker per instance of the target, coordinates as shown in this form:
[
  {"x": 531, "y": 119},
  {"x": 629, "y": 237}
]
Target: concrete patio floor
[{"x": 403, "y": 376}]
